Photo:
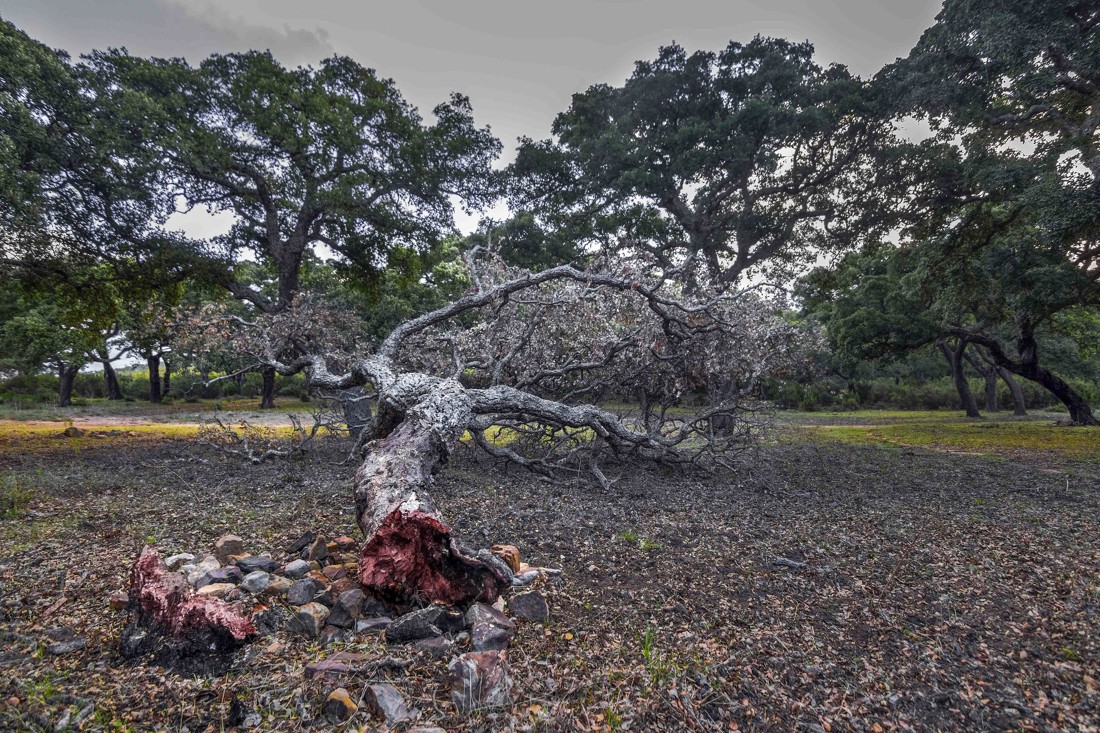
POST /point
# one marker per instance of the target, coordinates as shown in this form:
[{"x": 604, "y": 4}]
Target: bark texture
[
  {"x": 409, "y": 551},
  {"x": 153, "y": 361},
  {"x": 110, "y": 381},
  {"x": 954, "y": 357},
  {"x": 67, "y": 376},
  {"x": 267, "y": 397}
]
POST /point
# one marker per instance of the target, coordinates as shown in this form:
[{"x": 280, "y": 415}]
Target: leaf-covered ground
[{"x": 924, "y": 591}]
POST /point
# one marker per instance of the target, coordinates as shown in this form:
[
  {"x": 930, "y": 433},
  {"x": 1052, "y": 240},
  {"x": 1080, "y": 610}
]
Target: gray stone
[
  {"x": 347, "y": 608},
  {"x": 484, "y": 613},
  {"x": 256, "y": 581},
  {"x": 333, "y": 634},
  {"x": 271, "y": 620},
  {"x": 438, "y": 647},
  {"x": 480, "y": 680},
  {"x": 372, "y": 625},
  {"x": 386, "y": 702},
  {"x": 318, "y": 550},
  {"x": 424, "y": 623},
  {"x": 525, "y": 578},
  {"x": 489, "y": 628},
  {"x": 296, "y": 569},
  {"x": 310, "y": 618},
  {"x": 301, "y": 543},
  {"x": 230, "y": 574},
  {"x": 226, "y": 545},
  {"x": 175, "y": 562},
  {"x": 252, "y": 563},
  {"x": 302, "y": 592},
  {"x": 530, "y": 606},
  {"x": 199, "y": 569},
  {"x": 59, "y": 648},
  {"x": 485, "y": 637}
]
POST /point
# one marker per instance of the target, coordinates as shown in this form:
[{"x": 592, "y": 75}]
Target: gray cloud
[
  {"x": 160, "y": 28},
  {"x": 518, "y": 60}
]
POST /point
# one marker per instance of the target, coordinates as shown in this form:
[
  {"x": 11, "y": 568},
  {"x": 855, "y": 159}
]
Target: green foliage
[
  {"x": 739, "y": 156},
  {"x": 331, "y": 155}
]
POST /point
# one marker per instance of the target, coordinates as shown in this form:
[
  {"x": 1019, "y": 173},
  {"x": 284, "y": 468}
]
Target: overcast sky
[{"x": 518, "y": 60}]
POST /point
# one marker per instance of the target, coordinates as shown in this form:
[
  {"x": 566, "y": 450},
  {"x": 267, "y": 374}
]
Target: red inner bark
[
  {"x": 411, "y": 556},
  {"x": 166, "y": 598}
]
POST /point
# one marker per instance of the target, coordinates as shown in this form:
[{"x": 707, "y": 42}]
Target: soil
[{"x": 918, "y": 591}]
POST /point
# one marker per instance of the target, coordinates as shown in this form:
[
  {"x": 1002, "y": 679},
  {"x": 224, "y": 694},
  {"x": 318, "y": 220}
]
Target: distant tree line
[{"x": 749, "y": 167}]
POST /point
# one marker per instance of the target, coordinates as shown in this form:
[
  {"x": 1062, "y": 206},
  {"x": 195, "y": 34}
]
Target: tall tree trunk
[
  {"x": 954, "y": 358},
  {"x": 67, "y": 375},
  {"x": 110, "y": 380},
  {"x": 989, "y": 374},
  {"x": 267, "y": 399},
  {"x": 154, "y": 378},
  {"x": 167, "y": 387},
  {"x": 1018, "y": 407}
]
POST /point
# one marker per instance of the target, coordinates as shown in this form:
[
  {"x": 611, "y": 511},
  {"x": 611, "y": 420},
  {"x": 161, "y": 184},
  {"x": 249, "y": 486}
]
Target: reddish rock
[
  {"x": 344, "y": 584},
  {"x": 530, "y": 606},
  {"x": 226, "y": 545},
  {"x": 119, "y": 600},
  {"x": 334, "y": 572},
  {"x": 345, "y": 543}
]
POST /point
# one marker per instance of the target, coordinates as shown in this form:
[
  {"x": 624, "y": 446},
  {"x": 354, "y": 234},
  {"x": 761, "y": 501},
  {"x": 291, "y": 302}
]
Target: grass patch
[
  {"x": 1007, "y": 438},
  {"x": 97, "y": 407},
  {"x": 14, "y": 498}
]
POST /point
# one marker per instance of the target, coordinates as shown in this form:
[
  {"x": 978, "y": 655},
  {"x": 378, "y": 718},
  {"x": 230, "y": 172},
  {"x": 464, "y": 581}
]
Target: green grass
[
  {"x": 1000, "y": 436},
  {"x": 174, "y": 410},
  {"x": 14, "y": 497}
]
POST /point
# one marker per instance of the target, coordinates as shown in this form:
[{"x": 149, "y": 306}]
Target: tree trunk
[
  {"x": 1028, "y": 367},
  {"x": 67, "y": 375},
  {"x": 167, "y": 377},
  {"x": 357, "y": 411},
  {"x": 989, "y": 374},
  {"x": 955, "y": 363},
  {"x": 110, "y": 379},
  {"x": 409, "y": 551},
  {"x": 1018, "y": 407},
  {"x": 267, "y": 398},
  {"x": 154, "y": 378}
]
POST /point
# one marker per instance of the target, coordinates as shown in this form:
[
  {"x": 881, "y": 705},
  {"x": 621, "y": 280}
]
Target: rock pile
[{"x": 313, "y": 590}]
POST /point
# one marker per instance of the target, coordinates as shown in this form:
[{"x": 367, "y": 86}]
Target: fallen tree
[{"x": 511, "y": 383}]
